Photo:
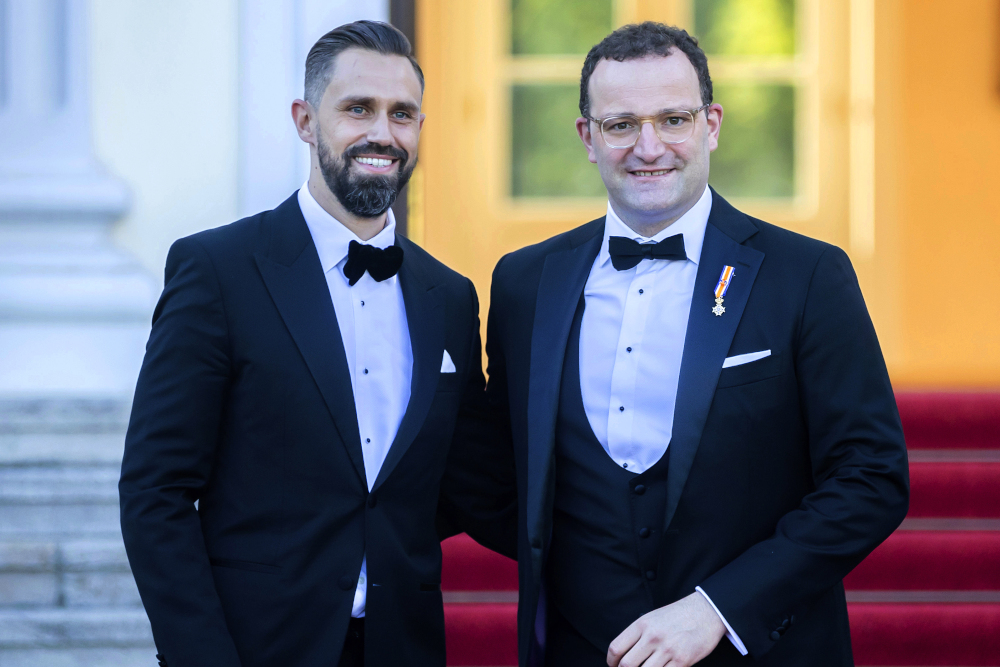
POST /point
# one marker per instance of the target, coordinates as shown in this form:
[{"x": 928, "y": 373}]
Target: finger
[
  {"x": 622, "y": 644},
  {"x": 640, "y": 654}
]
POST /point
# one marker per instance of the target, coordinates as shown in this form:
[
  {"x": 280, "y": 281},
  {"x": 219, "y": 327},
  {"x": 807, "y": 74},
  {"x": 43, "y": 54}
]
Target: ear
[
  {"x": 714, "y": 114},
  {"x": 583, "y": 129},
  {"x": 303, "y": 115}
]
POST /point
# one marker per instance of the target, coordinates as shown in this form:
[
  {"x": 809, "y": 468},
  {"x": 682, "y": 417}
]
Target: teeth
[
  {"x": 651, "y": 173},
  {"x": 374, "y": 161}
]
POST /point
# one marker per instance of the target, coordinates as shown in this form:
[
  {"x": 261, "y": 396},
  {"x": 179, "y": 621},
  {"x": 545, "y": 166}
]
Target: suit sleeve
[
  {"x": 478, "y": 491},
  {"x": 169, "y": 449},
  {"x": 859, "y": 467}
]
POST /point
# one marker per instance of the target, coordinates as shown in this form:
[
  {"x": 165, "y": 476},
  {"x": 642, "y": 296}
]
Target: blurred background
[{"x": 124, "y": 125}]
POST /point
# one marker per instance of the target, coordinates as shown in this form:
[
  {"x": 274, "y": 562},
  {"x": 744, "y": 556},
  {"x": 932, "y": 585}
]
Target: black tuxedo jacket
[
  {"x": 244, "y": 404},
  {"x": 784, "y": 473}
]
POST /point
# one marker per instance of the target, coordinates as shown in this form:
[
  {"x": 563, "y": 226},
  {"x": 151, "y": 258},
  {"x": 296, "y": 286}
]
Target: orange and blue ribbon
[{"x": 724, "y": 280}]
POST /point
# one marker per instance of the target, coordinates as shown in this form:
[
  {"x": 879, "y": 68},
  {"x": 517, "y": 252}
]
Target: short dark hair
[
  {"x": 639, "y": 40},
  {"x": 370, "y": 35}
]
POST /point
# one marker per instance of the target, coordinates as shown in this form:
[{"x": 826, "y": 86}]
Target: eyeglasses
[{"x": 672, "y": 127}]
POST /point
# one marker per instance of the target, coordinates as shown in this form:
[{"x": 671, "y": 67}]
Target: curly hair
[{"x": 639, "y": 40}]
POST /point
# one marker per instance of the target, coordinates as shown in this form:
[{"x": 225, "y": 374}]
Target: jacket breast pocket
[{"x": 753, "y": 371}]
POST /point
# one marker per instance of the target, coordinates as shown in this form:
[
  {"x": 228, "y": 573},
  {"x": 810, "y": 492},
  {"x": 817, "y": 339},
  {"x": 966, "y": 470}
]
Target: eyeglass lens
[{"x": 672, "y": 127}]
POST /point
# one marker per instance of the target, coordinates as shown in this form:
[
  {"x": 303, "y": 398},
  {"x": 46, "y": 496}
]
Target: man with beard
[{"x": 300, "y": 389}]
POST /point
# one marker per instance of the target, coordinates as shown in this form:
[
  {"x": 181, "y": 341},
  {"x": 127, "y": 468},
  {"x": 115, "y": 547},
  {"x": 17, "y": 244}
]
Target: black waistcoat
[{"x": 607, "y": 523}]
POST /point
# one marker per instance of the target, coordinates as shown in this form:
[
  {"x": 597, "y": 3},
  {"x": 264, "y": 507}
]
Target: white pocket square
[
  {"x": 740, "y": 359},
  {"x": 447, "y": 365}
]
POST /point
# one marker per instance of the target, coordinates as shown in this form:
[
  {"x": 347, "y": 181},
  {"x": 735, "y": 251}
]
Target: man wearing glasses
[{"x": 702, "y": 423}]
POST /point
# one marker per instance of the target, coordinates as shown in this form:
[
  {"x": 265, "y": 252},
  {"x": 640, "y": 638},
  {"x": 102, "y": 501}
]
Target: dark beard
[{"x": 363, "y": 196}]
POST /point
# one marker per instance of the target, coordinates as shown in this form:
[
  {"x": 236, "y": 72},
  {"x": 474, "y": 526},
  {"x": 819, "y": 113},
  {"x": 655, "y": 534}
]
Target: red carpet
[
  {"x": 928, "y": 596},
  {"x": 955, "y": 489}
]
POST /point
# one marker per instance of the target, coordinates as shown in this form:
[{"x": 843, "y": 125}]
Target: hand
[{"x": 677, "y": 635}]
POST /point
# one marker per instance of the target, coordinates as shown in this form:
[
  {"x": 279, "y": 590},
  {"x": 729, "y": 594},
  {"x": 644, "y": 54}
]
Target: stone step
[
  {"x": 91, "y": 484},
  {"x": 78, "y": 657},
  {"x": 71, "y": 447},
  {"x": 63, "y": 415},
  {"x": 72, "y": 574},
  {"x": 32, "y": 521},
  {"x": 74, "y": 628},
  {"x": 45, "y": 501}
]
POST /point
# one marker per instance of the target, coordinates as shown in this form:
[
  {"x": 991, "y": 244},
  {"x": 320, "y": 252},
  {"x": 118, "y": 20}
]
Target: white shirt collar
[
  {"x": 692, "y": 225},
  {"x": 330, "y": 235}
]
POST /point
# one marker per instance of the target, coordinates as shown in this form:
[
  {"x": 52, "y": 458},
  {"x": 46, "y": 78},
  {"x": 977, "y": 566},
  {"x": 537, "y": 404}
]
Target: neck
[
  {"x": 651, "y": 223},
  {"x": 363, "y": 228}
]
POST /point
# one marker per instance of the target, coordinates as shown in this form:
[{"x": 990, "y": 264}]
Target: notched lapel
[
  {"x": 424, "y": 304},
  {"x": 302, "y": 297},
  {"x": 564, "y": 275},
  {"x": 706, "y": 345}
]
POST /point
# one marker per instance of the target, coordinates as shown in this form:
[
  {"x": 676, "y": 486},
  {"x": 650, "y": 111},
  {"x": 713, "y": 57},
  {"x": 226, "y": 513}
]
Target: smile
[
  {"x": 661, "y": 172},
  {"x": 375, "y": 161}
]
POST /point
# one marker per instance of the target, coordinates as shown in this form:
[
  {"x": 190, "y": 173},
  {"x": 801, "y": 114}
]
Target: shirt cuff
[{"x": 730, "y": 633}]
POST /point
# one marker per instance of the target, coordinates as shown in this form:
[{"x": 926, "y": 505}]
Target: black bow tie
[
  {"x": 380, "y": 264},
  {"x": 626, "y": 253}
]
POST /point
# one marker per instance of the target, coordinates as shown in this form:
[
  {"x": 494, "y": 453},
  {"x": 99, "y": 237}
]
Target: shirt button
[
  {"x": 362, "y": 304},
  {"x": 366, "y": 371},
  {"x": 625, "y": 465},
  {"x": 640, "y": 291},
  {"x": 621, "y": 408},
  {"x": 368, "y": 440},
  {"x": 628, "y": 349}
]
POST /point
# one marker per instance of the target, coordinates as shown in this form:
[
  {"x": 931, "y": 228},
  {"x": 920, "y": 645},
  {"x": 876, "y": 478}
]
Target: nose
[
  {"x": 648, "y": 146},
  {"x": 378, "y": 132}
]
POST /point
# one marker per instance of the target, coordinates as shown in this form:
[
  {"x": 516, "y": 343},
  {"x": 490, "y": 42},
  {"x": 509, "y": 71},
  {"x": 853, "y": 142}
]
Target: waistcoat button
[
  {"x": 644, "y": 532},
  {"x": 372, "y": 500},
  {"x": 346, "y": 583},
  {"x": 650, "y": 575},
  {"x": 639, "y": 489}
]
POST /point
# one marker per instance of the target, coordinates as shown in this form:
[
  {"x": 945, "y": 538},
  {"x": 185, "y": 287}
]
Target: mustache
[{"x": 377, "y": 149}]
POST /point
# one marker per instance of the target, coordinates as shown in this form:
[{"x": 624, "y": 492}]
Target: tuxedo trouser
[{"x": 353, "y": 654}]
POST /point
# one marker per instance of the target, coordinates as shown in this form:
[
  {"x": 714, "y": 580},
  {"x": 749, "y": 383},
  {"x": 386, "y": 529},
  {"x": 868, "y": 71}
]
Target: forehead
[
  {"x": 645, "y": 85},
  {"x": 362, "y": 73}
]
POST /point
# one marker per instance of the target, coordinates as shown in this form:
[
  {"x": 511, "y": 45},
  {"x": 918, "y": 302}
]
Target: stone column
[
  {"x": 74, "y": 310},
  {"x": 74, "y": 318}
]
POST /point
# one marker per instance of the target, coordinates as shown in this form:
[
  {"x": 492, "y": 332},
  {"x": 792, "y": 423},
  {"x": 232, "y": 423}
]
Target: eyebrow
[
  {"x": 371, "y": 102},
  {"x": 655, "y": 113}
]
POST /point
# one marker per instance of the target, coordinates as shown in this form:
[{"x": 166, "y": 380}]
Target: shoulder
[
  {"x": 225, "y": 240},
  {"x": 457, "y": 287},
  {"x": 775, "y": 240},
  {"x": 529, "y": 259},
  {"x": 429, "y": 264}
]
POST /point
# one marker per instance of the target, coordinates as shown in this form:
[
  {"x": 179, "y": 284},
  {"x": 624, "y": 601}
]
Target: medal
[{"x": 720, "y": 289}]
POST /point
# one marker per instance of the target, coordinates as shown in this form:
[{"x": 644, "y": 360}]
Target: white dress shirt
[
  {"x": 631, "y": 345},
  {"x": 372, "y": 320}
]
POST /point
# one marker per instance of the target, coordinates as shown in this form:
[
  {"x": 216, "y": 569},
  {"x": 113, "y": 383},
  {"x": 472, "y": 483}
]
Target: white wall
[
  {"x": 164, "y": 101},
  {"x": 196, "y": 125}
]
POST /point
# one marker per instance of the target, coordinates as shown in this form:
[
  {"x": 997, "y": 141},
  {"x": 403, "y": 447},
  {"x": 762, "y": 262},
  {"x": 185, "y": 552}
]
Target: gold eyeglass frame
[{"x": 642, "y": 120}]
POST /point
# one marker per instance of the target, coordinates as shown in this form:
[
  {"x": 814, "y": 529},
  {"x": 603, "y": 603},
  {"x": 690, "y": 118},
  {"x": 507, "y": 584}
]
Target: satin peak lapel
[
  {"x": 706, "y": 345},
  {"x": 425, "y": 321},
  {"x": 560, "y": 286},
  {"x": 302, "y": 296}
]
